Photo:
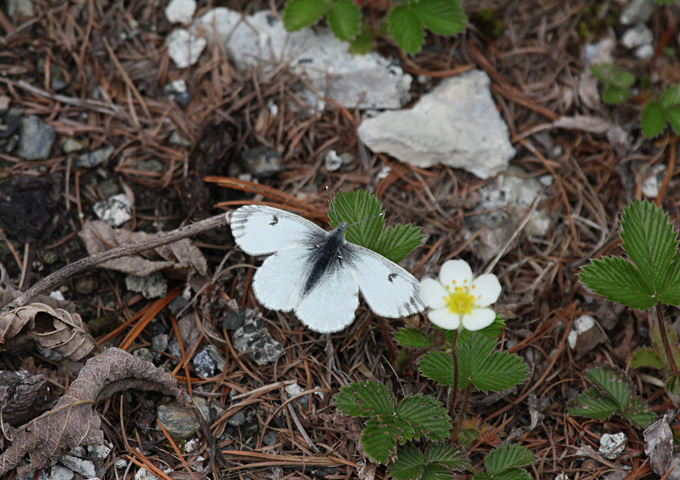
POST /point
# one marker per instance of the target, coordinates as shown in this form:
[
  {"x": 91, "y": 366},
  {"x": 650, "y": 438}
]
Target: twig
[{"x": 124, "y": 250}]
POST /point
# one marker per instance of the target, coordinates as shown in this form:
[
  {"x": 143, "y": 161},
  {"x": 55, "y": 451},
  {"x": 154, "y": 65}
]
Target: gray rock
[
  {"x": 78, "y": 465},
  {"x": 176, "y": 139},
  {"x": 57, "y": 81},
  {"x": 261, "y": 161},
  {"x": 203, "y": 364},
  {"x": 181, "y": 422},
  {"x": 36, "y": 139},
  {"x": 143, "y": 354},
  {"x": 96, "y": 158},
  {"x": 153, "y": 286},
  {"x": 11, "y": 122},
  {"x": 637, "y": 36},
  {"x": 237, "y": 419},
  {"x": 71, "y": 145},
  {"x": 61, "y": 473},
  {"x": 180, "y": 11},
  {"x": 369, "y": 81},
  {"x": 270, "y": 438},
  {"x": 144, "y": 474},
  {"x": 216, "y": 356},
  {"x": 184, "y": 47},
  {"x": 637, "y": 11},
  {"x": 332, "y": 161},
  {"x": 98, "y": 452},
  {"x": 20, "y": 10},
  {"x": 294, "y": 389},
  {"x": 31, "y": 475},
  {"x": 115, "y": 211},
  {"x": 254, "y": 341},
  {"x": 456, "y": 124},
  {"x": 159, "y": 343},
  {"x": 174, "y": 350}
]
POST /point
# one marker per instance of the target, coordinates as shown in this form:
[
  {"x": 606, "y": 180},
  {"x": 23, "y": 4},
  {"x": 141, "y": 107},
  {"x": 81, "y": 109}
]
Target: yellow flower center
[{"x": 460, "y": 301}]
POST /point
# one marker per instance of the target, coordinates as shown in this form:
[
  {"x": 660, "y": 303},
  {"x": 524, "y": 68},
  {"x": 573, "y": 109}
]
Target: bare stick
[{"x": 124, "y": 250}]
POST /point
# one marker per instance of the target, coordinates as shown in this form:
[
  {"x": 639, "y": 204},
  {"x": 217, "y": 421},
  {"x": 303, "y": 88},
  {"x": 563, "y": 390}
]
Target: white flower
[{"x": 458, "y": 297}]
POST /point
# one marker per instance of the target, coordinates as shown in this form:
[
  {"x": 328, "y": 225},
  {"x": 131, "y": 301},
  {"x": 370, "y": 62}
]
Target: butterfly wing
[
  {"x": 388, "y": 289},
  {"x": 279, "y": 282},
  {"x": 330, "y": 305},
  {"x": 260, "y": 230}
]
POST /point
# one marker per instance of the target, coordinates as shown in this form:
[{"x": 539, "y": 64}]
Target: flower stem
[
  {"x": 461, "y": 417},
  {"x": 454, "y": 388},
  {"x": 664, "y": 340}
]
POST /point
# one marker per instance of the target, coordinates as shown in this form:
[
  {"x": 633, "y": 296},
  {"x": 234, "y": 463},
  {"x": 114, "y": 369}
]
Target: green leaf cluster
[
  {"x": 363, "y": 211},
  {"x": 653, "y": 275},
  {"x": 617, "y": 82},
  {"x": 435, "y": 464},
  {"x": 478, "y": 365},
  {"x": 406, "y": 22},
  {"x": 505, "y": 463},
  {"x": 613, "y": 395},
  {"x": 656, "y": 114},
  {"x": 390, "y": 424},
  {"x": 414, "y": 338}
]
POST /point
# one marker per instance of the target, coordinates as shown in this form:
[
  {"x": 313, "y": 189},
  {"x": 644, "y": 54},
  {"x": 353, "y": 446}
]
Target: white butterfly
[{"x": 318, "y": 274}]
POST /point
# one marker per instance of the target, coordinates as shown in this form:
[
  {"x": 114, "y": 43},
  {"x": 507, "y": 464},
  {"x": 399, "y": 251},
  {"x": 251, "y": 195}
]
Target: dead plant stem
[{"x": 664, "y": 339}]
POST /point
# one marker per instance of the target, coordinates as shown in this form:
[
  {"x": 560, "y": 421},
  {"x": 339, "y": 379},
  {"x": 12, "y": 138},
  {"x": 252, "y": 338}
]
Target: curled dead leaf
[
  {"x": 52, "y": 328},
  {"x": 73, "y": 421},
  {"x": 181, "y": 256}
]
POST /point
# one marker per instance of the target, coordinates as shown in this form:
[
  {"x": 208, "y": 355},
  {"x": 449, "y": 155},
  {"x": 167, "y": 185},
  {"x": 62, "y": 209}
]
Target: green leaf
[
  {"x": 612, "y": 75},
  {"x": 486, "y": 370},
  {"x": 365, "y": 399},
  {"x": 413, "y": 337},
  {"x": 646, "y": 357},
  {"x": 507, "y": 456},
  {"x": 615, "y": 95},
  {"x": 426, "y": 415},
  {"x": 612, "y": 382},
  {"x": 650, "y": 242},
  {"x": 406, "y": 28},
  {"x": 513, "y": 474},
  {"x": 592, "y": 404},
  {"x": 436, "y": 464},
  {"x": 443, "y": 453},
  {"x": 364, "y": 210},
  {"x": 299, "y": 14},
  {"x": 652, "y": 119},
  {"x": 381, "y": 434},
  {"x": 673, "y": 117},
  {"x": 362, "y": 43},
  {"x": 492, "y": 331},
  {"x": 619, "y": 281},
  {"x": 671, "y": 96},
  {"x": 438, "y": 366},
  {"x": 638, "y": 413},
  {"x": 398, "y": 241},
  {"x": 344, "y": 18},
  {"x": 445, "y": 17},
  {"x": 410, "y": 464},
  {"x": 671, "y": 292}
]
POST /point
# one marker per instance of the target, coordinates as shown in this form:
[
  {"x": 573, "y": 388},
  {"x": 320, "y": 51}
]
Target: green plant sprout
[
  {"x": 649, "y": 279},
  {"x": 462, "y": 359},
  {"x": 655, "y": 114},
  {"x": 405, "y": 22},
  {"x": 363, "y": 211}
]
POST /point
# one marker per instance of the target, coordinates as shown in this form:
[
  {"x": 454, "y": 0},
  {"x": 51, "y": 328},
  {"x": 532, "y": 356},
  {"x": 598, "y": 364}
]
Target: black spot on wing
[
  {"x": 274, "y": 221},
  {"x": 391, "y": 277}
]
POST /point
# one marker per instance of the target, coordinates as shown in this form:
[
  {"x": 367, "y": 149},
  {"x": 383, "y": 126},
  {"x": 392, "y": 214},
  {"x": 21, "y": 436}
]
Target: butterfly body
[{"x": 319, "y": 274}]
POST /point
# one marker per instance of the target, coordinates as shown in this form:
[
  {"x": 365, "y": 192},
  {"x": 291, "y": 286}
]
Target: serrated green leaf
[
  {"x": 500, "y": 371},
  {"x": 645, "y": 357},
  {"x": 438, "y": 366},
  {"x": 638, "y": 413},
  {"x": 513, "y": 474},
  {"x": 381, "y": 434},
  {"x": 298, "y": 14},
  {"x": 437, "y": 472},
  {"x": 670, "y": 96},
  {"x": 507, "y": 456},
  {"x": 436, "y": 464},
  {"x": 619, "y": 281},
  {"x": 615, "y": 95},
  {"x": 673, "y": 117},
  {"x": 671, "y": 294},
  {"x": 398, "y": 241},
  {"x": 365, "y": 399},
  {"x": 472, "y": 354},
  {"x": 592, "y": 404},
  {"x": 652, "y": 119},
  {"x": 650, "y": 242},
  {"x": 410, "y": 463},
  {"x": 406, "y": 28},
  {"x": 443, "y": 453},
  {"x": 426, "y": 415},
  {"x": 482, "y": 476},
  {"x": 344, "y": 18},
  {"x": 613, "y": 382},
  {"x": 362, "y": 209},
  {"x": 362, "y": 43},
  {"x": 492, "y": 331},
  {"x": 413, "y": 338},
  {"x": 612, "y": 75},
  {"x": 445, "y": 17}
]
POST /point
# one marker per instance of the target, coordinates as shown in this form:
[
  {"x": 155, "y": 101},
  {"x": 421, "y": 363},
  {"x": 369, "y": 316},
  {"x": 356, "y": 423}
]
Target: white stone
[
  {"x": 637, "y": 11},
  {"x": 57, "y": 295},
  {"x": 180, "y": 11},
  {"x": 293, "y": 389},
  {"x": 456, "y": 124},
  {"x": 61, "y": 473},
  {"x": 369, "y": 81},
  {"x": 644, "y": 51},
  {"x": 637, "y": 36},
  {"x": 332, "y": 161},
  {"x": 652, "y": 184},
  {"x": 184, "y": 47},
  {"x": 612, "y": 446},
  {"x": 115, "y": 211},
  {"x": 143, "y": 474},
  {"x": 78, "y": 465},
  {"x": 581, "y": 325}
]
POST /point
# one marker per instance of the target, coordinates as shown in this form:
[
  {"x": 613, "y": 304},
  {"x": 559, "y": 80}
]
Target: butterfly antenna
[
  {"x": 364, "y": 219},
  {"x": 330, "y": 204}
]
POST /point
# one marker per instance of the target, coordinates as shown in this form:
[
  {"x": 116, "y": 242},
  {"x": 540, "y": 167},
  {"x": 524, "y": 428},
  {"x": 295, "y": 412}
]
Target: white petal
[
  {"x": 486, "y": 290},
  {"x": 444, "y": 319},
  {"x": 432, "y": 293},
  {"x": 478, "y": 319},
  {"x": 455, "y": 272}
]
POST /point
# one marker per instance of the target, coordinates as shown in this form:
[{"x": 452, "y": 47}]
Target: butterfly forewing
[
  {"x": 388, "y": 289},
  {"x": 261, "y": 230},
  {"x": 278, "y": 283}
]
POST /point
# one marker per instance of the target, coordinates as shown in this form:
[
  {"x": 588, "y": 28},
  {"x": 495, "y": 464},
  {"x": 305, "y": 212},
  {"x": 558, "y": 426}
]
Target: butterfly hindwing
[{"x": 278, "y": 284}]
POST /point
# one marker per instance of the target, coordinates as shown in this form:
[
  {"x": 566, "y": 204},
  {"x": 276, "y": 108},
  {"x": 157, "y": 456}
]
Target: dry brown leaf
[
  {"x": 182, "y": 256},
  {"x": 73, "y": 421},
  {"x": 52, "y": 328},
  {"x": 23, "y": 395}
]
